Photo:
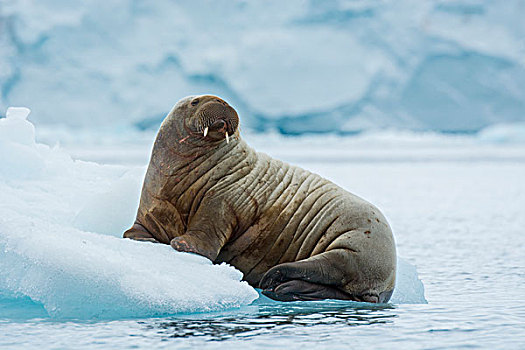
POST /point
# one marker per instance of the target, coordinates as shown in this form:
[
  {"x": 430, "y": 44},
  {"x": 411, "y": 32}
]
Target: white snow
[
  {"x": 60, "y": 226},
  {"x": 504, "y": 133}
]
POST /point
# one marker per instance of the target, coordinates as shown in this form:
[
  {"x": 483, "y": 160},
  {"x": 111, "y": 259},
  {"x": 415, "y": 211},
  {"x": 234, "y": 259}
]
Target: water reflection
[{"x": 256, "y": 320}]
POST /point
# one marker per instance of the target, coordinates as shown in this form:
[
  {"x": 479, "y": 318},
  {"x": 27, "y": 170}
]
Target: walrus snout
[{"x": 217, "y": 120}]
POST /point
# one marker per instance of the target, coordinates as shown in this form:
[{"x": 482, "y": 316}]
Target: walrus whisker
[
  {"x": 205, "y": 131},
  {"x": 227, "y": 138}
]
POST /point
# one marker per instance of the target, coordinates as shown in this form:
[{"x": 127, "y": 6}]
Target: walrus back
[{"x": 299, "y": 214}]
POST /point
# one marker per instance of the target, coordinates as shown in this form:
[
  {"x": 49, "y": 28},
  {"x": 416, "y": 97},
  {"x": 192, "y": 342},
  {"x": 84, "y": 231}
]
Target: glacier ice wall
[{"x": 295, "y": 66}]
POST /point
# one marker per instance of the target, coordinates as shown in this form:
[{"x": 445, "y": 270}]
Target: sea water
[{"x": 68, "y": 281}]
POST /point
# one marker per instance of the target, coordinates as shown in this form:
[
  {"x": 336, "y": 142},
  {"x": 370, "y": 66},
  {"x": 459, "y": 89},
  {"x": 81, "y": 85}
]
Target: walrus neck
[
  {"x": 194, "y": 159},
  {"x": 186, "y": 147},
  {"x": 195, "y": 178},
  {"x": 190, "y": 155}
]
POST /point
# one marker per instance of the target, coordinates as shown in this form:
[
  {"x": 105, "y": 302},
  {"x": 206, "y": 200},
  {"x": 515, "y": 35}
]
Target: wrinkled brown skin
[{"x": 292, "y": 233}]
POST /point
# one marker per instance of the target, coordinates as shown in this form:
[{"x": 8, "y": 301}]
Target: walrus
[{"x": 292, "y": 233}]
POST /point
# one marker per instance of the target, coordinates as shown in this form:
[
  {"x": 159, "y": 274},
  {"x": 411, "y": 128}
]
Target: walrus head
[{"x": 208, "y": 117}]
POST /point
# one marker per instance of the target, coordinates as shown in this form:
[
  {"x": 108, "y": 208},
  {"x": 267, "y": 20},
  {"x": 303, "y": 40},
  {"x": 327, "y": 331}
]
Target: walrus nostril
[{"x": 219, "y": 126}]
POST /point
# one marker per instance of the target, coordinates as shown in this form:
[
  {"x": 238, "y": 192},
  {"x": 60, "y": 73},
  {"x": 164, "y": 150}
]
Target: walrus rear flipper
[
  {"x": 321, "y": 276},
  {"x": 301, "y": 290}
]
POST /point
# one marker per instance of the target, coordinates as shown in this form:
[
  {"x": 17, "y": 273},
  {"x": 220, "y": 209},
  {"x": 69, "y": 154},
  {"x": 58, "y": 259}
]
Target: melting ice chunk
[
  {"x": 56, "y": 249},
  {"x": 18, "y": 112},
  {"x": 57, "y": 217}
]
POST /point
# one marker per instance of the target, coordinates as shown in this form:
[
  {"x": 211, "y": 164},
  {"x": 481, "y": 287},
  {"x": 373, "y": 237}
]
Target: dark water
[{"x": 273, "y": 318}]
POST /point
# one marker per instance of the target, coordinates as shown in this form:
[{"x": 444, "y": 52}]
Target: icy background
[{"x": 292, "y": 66}]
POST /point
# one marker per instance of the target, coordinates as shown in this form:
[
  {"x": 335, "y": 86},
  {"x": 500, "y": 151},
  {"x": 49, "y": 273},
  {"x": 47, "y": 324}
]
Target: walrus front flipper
[
  {"x": 139, "y": 233},
  {"x": 208, "y": 230}
]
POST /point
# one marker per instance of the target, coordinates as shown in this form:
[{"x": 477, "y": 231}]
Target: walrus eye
[{"x": 195, "y": 102}]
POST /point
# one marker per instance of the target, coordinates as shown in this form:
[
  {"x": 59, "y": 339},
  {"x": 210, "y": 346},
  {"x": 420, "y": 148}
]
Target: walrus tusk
[
  {"x": 205, "y": 131},
  {"x": 227, "y": 138}
]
